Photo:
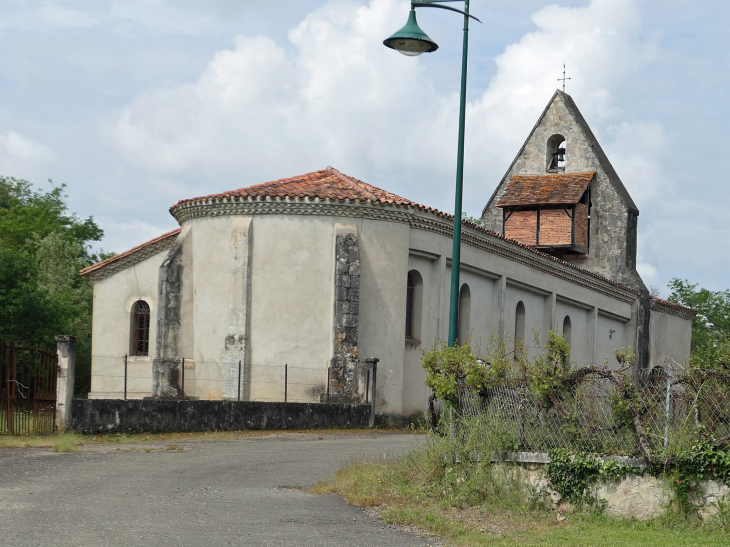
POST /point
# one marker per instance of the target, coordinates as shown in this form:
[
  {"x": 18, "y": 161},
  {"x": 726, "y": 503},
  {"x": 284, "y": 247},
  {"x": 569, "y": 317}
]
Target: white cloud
[
  {"x": 20, "y": 155},
  {"x": 341, "y": 98}
]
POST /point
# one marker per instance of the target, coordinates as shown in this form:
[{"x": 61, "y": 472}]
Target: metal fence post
[
  {"x": 367, "y": 387},
  {"x": 239, "y": 380},
  {"x": 328, "y": 384},
  {"x": 373, "y": 361},
  {"x": 666, "y": 411},
  {"x": 286, "y": 379},
  {"x": 182, "y": 386},
  {"x": 125, "y": 376}
]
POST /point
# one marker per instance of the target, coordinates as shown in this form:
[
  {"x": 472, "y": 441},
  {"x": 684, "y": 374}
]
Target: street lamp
[{"x": 412, "y": 41}]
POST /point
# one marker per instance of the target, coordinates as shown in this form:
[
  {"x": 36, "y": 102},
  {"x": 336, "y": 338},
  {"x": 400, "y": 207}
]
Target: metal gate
[{"x": 27, "y": 390}]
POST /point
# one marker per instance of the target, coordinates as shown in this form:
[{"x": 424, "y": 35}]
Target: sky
[{"x": 137, "y": 104}]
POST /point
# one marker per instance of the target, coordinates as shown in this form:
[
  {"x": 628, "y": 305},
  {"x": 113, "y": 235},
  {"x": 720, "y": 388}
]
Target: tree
[
  {"x": 42, "y": 249},
  {"x": 711, "y": 325}
]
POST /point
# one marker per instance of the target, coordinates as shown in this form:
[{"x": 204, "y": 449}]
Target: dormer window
[
  {"x": 555, "y": 160},
  {"x": 549, "y": 212}
]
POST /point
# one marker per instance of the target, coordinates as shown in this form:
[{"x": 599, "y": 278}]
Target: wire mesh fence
[
  {"x": 594, "y": 415},
  {"x": 130, "y": 377}
]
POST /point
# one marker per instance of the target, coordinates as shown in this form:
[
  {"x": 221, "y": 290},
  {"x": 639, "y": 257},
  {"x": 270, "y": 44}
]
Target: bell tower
[{"x": 562, "y": 196}]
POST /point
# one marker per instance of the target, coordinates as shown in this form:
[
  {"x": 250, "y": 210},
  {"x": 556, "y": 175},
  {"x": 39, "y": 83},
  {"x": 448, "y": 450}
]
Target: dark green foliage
[
  {"x": 711, "y": 326},
  {"x": 42, "y": 249},
  {"x": 574, "y": 475}
]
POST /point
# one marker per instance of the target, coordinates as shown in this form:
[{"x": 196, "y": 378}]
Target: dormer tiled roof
[
  {"x": 549, "y": 189},
  {"x": 326, "y": 184}
]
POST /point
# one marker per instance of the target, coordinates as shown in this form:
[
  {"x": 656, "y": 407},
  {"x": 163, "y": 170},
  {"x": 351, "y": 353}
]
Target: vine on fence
[{"x": 552, "y": 379}]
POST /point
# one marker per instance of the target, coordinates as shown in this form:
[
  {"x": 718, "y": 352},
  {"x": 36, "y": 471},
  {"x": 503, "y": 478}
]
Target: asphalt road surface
[{"x": 217, "y": 492}]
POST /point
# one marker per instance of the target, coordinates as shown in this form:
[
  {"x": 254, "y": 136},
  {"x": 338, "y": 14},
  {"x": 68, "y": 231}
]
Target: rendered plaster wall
[
  {"x": 580, "y": 338},
  {"x": 671, "y": 338},
  {"x": 533, "y": 287},
  {"x": 426, "y": 315},
  {"x": 613, "y": 228},
  {"x": 607, "y": 342},
  {"x": 114, "y": 297},
  {"x": 534, "y": 318},
  {"x": 384, "y": 272},
  {"x": 292, "y": 303}
]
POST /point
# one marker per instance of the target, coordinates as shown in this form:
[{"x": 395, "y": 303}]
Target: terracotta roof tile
[
  {"x": 330, "y": 184},
  {"x": 116, "y": 258},
  {"x": 674, "y": 305},
  {"x": 552, "y": 189},
  {"x": 327, "y": 184}
]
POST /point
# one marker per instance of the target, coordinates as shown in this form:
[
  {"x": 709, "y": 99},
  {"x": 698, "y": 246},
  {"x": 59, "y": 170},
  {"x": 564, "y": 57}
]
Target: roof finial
[{"x": 564, "y": 78}]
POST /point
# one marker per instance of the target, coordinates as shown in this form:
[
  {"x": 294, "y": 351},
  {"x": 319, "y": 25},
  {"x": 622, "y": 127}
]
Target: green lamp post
[{"x": 412, "y": 41}]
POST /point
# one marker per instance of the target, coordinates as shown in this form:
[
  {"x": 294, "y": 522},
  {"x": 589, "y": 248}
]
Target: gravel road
[{"x": 211, "y": 492}]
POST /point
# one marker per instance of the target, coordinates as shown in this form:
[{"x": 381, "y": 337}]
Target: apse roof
[
  {"x": 326, "y": 184},
  {"x": 550, "y": 189}
]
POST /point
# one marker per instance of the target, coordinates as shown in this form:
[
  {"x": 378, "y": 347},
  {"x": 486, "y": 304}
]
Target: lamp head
[{"x": 411, "y": 40}]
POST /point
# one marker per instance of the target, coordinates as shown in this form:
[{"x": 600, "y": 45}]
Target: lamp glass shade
[{"x": 411, "y": 40}]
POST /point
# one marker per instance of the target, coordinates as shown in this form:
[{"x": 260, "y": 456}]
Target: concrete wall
[
  {"x": 640, "y": 497},
  {"x": 112, "y": 416}
]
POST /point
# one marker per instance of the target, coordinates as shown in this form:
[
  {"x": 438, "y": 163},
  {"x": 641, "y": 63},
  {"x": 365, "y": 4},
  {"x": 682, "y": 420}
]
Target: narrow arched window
[
  {"x": 414, "y": 306},
  {"x": 566, "y": 329},
  {"x": 519, "y": 328},
  {"x": 410, "y": 303},
  {"x": 464, "y": 314},
  {"x": 141, "y": 328}
]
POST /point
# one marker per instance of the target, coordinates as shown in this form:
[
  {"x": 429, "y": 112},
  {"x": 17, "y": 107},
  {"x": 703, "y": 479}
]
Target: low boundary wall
[{"x": 118, "y": 416}]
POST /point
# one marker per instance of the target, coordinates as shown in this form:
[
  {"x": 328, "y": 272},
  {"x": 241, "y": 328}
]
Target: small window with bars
[{"x": 141, "y": 329}]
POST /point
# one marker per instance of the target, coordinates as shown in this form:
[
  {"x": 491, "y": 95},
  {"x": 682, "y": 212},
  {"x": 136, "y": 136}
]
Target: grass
[
  {"x": 67, "y": 442},
  {"x": 471, "y": 504}
]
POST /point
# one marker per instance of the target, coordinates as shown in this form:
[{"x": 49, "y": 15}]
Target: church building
[{"x": 324, "y": 270}]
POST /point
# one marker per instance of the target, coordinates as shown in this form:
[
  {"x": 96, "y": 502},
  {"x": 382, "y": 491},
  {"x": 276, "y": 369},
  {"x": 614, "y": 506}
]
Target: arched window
[
  {"x": 519, "y": 328},
  {"x": 555, "y": 160},
  {"x": 141, "y": 328},
  {"x": 566, "y": 329},
  {"x": 414, "y": 299},
  {"x": 464, "y": 314}
]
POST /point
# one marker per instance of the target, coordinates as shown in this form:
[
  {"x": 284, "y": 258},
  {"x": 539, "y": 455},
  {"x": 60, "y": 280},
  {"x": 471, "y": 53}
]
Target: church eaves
[{"x": 326, "y": 185}]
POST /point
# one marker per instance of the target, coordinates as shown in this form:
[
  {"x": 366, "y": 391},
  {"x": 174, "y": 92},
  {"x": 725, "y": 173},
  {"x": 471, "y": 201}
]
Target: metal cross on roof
[{"x": 564, "y": 78}]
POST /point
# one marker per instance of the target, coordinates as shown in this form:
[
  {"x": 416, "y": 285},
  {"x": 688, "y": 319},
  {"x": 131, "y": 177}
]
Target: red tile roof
[
  {"x": 330, "y": 184},
  {"x": 324, "y": 184},
  {"x": 121, "y": 256},
  {"x": 674, "y": 305},
  {"x": 552, "y": 189}
]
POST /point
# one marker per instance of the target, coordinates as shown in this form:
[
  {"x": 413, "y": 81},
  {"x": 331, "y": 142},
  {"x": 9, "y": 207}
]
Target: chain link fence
[
  {"x": 675, "y": 410},
  {"x": 129, "y": 377}
]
